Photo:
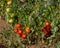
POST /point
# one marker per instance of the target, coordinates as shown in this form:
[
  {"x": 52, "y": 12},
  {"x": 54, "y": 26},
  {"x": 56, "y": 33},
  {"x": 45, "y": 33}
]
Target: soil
[{"x": 4, "y": 25}]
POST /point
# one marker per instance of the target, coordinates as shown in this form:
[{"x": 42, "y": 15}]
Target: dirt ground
[{"x": 3, "y": 25}]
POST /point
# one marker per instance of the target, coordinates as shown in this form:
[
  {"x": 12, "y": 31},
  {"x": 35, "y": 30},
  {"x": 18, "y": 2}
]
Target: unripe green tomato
[
  {"x": 36, "y": 33},
  {"x": 2, "y": 5},
  {"x": 7, "y": 9},
  {"x": 11, "y": 21},
  {"x": 12, "y": 15}
]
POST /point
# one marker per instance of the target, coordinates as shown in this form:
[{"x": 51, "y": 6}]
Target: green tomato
[
  {"x": 11, "y": 21},
  {"x": 12, "y": 15},
  {"x": 7, "y": 9},
  {"x": 2, "y": 5},
  {"x": 36, "y": 33}
]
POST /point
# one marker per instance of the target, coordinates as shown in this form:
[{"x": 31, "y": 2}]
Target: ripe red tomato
[
  {"x": 48, "y": 27},
  {"x": 47, "y": 24},
  {"x": 15, "y": 30},
  {"x": 20, "y": 32},
  {"x": 46, "y": 31},
  {"x": 18, "y": 26},
  {"x": 24, "y": 36}
]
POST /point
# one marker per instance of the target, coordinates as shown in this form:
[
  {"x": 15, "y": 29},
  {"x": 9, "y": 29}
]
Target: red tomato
[
  {"x": 48, "y": 27},
  {"x": 20, "y": 32},
  {"x": 24, "y": 36},
  {"x": 47, "y": 24},
  {"x": 46, "y": 31},
  {"x": 18, "y": 26}
]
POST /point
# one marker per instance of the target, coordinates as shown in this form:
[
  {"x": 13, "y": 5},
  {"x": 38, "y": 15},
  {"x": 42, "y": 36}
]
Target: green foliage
[{"x": 34, "y": 14}]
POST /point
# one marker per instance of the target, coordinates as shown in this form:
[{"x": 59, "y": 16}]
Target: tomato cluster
[
  {"x": 47, "y": 29},
  {"x": 20, "y": 31}
]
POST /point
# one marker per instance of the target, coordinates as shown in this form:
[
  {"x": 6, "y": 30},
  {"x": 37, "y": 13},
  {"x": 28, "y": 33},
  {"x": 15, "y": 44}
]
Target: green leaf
[
  {"x": 19, "y": 47},
  {"x": 9, "y": 43}
]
